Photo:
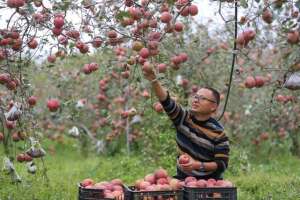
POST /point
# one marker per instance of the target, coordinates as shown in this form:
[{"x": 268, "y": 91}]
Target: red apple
[
  {"x": 58, "y": 22},
  {"x": 53, "y": 104},
  {"x": 190, "y": 179},
  {"x": 33, "y": 44},
  {"x": 15, "y": 3},
  {"x": 158, "y": 107},
  {"x": 162, "y": 181},
  {"x": 144, "y": 53},
  {"x": 178, "y": 26},
  {"x": 112, "y": 34},
  {"x": 192, "y": 184},
  {"x": 51, "y": 58},
  {"x": 86, "y": 182},
  {"x": 184, "y": 159},
  {"x": 32, "y": 100},
  {"x": 162, "y": 68},
  {"x": 193, "y": 10},
  {"x": 165, "y": 17},
  {"x": 201, "y": 183},
  {"x": 150, "y": 178},
  {"x": 160, "y": 173},
  {"x": 97, "y": 42},
  {"x": 250, "y": 82},
  {"x": 267, "y": 16},
  {"x": 293, "y": 37}
]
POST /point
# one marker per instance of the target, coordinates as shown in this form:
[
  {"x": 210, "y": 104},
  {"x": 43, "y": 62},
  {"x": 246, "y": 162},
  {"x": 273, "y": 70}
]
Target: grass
[{"x": 274, "y": 178}]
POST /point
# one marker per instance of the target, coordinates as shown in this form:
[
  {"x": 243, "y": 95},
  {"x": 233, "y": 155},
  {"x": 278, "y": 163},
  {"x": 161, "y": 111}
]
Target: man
[{"x": 199, "y": 135}]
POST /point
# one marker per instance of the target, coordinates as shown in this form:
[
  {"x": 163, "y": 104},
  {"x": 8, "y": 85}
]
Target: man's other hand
[{"x": 190, "y": 166}]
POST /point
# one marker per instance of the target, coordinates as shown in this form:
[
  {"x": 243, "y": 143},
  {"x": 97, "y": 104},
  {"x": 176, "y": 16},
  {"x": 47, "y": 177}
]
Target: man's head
[{"x": 205, "y": 101}]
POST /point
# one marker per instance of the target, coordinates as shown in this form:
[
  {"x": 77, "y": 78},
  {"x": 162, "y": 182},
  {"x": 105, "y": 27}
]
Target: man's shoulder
[{"x": 213, "y": 123}]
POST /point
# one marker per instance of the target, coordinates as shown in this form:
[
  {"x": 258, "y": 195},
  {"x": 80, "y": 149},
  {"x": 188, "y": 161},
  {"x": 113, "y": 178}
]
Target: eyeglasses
[{"x": 199, "y": 98}]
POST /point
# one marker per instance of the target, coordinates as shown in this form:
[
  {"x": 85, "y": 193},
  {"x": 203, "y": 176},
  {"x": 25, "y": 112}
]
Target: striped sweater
[{"x": 203, "y": 140}]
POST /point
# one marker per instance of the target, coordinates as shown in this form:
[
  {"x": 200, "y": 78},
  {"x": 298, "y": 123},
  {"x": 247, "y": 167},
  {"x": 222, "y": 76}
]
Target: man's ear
[{"x": 214, "y": 109}]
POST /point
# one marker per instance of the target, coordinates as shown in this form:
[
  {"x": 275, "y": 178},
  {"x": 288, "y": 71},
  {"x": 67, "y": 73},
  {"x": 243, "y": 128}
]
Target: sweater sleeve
[
  {"x": 173, "y": 109},
  {"x": 222, "y": 153}
]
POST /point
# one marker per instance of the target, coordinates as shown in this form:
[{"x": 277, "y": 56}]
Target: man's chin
[{"x": 193, "y": 110}]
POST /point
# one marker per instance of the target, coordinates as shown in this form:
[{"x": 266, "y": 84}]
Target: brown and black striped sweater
[{"x": 203, "y": 140}]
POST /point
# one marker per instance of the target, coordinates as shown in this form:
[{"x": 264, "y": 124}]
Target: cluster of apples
[
  {"x": 89, "y": 68},
  {"x": 158, "y": 181},
  {"x": 210, "y": 183},
  {"x": 111, "y": 190}
]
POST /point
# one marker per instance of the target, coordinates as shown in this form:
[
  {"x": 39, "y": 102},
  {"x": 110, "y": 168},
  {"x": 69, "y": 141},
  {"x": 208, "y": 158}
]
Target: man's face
[{"x": 203, "y": 102}]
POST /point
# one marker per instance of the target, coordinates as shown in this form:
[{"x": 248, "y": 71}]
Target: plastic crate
[
  {"x": 94, "y": 194},
  {"x": 215, "y": 193},
  {"x": 131, "y": 194},
  {"x": 90, "y": 194}
]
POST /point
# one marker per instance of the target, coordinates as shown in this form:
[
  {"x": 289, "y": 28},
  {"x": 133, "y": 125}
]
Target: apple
[
  {"x": 147, "y": 67},
  {"x": 21, "y": 157},
  {"x": 193, "y": 10},
  {"x": 250, "y": 82},
  {"x": 162, "y": 181},
  {"x": 112, "y": 34},
  {"x": 178, "y": 26},
  {"x": 27, "y": 157},
  {"x": 33, "y": 44},
  {"x": 150, "y": 178},
  {"x": 158, "y": 107},
  {"x": 51, "y": 58},
  {"x": 15, "y": 3},
  {"x": 192, "y": 184},
  {"x": 180, "y": 3},
  {"x": 280, "y": 98},
  {"x": 165, "y": 17},
  {"x": 162, "y": 68},
  {"x": 160, "y": 173},
  {"x": 32, "y": 100},
  {"x": 87, "y": 182},
  {"x": 4, "y": 78},
  {"x": 259, "y": 81},
  {"x": 58, "y": 22},
  {"x": 190, "y": 179},
  {"x": 293, "y": 37},
  {"x": 267, "y": 16},
  {"x": 175, "y": 184},
  {"x": 53, "y": 105},
  {"x": 185, "y": 11},
  {"x": 144, "y": 53},
  {"x": 184, "y": 159},
  {"x": 143, "y": 185},
  {"x": 73, "y": 34},
  {"x": 97, "y": 42},
  {"x": 201, "y": 183}
]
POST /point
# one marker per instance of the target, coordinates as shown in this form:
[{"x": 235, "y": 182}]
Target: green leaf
[
  {"x": 171, "y": 2},
  {"x": 50, "y": 65},
  {"x": 122, "y": 14},
  {"x": 244, "y": 3}
]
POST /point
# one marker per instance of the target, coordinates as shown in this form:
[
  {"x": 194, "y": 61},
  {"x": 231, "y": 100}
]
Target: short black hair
[{"x": 215, "y": 93}]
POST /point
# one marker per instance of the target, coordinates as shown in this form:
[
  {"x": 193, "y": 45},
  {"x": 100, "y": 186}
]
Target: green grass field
[{"x": 275, "y": 178}]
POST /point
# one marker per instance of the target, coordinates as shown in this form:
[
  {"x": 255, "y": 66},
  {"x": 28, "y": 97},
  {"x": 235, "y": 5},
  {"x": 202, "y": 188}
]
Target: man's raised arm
[
  {"x": 174, "y": 110},
  {"x": 149, "y": 74}
]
